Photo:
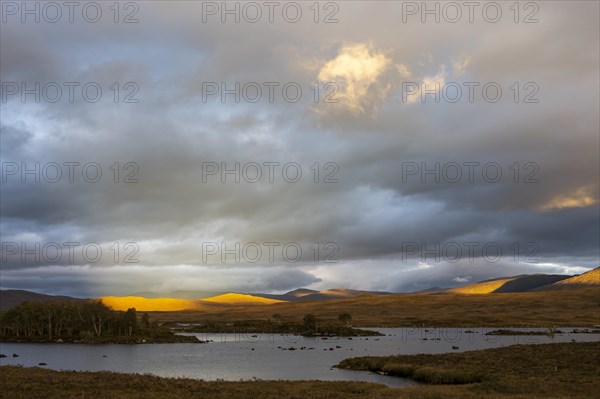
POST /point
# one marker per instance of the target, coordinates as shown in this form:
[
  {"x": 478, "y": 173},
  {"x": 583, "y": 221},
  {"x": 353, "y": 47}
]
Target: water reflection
[{"x": 270, "y": 356}]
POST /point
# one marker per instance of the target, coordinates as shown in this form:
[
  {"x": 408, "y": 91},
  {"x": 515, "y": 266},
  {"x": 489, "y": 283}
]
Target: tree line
[{"x": 86, "y": 319}]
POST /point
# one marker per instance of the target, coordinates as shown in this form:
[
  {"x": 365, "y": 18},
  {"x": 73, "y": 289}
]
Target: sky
[{"x": 262, "y": 147}]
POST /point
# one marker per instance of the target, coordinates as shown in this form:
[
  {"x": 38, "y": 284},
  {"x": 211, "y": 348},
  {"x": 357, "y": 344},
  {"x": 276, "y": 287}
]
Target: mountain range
[
  {"x": 153, "y": 302},
  {"x": 303, "y": 294}
]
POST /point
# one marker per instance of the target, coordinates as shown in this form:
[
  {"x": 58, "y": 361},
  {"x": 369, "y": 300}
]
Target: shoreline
[
  {"x": 558, "y": 370},
  {"x": 180, "y": 338},
  {"x": 183, "y": 339}
]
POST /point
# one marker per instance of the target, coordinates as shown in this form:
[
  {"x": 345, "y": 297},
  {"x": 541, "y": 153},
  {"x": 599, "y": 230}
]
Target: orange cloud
[{"x": 580, "y": 198}]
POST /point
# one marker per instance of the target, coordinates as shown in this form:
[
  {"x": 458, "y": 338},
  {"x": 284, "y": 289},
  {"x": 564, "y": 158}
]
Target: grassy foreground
[
  {"x": 34, "y": 383},
  {"x": 568, "y": 370}
]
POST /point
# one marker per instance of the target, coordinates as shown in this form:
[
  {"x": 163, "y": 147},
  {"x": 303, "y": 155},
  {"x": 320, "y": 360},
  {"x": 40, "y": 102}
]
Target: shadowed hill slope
[
  {"x": 303, "y": 294},
  {"x": 522, "y": 283},
  {"x": 11, "y": 298}
]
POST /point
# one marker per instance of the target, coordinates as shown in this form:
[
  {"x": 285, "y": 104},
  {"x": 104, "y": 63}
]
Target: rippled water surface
[{"x": 268, "y": 357}]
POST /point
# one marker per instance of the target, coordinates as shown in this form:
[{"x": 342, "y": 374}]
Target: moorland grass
[
  {"x": 550, "y": 370},
  {"x": 569, "y": 308}
]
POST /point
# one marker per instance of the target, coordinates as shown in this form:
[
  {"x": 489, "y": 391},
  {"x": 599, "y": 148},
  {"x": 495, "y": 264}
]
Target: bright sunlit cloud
[{"x": 355, "y": 69}]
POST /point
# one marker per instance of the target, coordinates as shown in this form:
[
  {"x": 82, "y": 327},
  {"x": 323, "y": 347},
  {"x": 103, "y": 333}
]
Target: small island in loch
[{"x": 82, "y": 321}]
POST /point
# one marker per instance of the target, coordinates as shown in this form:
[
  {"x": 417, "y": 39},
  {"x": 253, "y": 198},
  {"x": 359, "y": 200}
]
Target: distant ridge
[
  {"x": 150, "y": 304},
  {"x": 587, "y": 279},
  {"x": 521, "y": 283},
  {"x": 181, "y": 294},
  {"x": 240, "y": 299},
  {"x": 303, "y": 294},
  {"x": 143, "y": 304},
  {"x": 11, "y": 298},
  {"x": 230, "y": 299},
  {"x": 148, "y": 301},
  {"x": 224, "y": 302},
  {"x": 292, "y": 296}
]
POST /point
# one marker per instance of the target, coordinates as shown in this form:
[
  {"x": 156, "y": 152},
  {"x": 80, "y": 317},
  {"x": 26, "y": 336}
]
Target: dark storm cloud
[{"x": 375, "y": 207}]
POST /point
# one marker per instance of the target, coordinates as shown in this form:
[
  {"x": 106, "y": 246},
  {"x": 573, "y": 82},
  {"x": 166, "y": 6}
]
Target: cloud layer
[{"x": 211, "y": 151}]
